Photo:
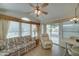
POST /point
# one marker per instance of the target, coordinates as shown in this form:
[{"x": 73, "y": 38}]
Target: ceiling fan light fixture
[
  {"x": 38, "y": 9},
  {"x": 71, "y": 20},
  {"x": 75, "y": 20},
  {"x": 37, "y": 12}
]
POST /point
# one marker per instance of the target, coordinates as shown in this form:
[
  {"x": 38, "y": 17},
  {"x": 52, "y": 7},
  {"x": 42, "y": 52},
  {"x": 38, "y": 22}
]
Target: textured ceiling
[{"x": 56, "y": 11}]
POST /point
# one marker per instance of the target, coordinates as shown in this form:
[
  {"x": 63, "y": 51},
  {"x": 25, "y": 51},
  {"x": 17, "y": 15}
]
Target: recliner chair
[{"x": 45, "y": 42}]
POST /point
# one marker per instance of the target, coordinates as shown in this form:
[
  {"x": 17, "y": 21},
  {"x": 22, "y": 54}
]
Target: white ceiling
[{"x": 56, "y": 11}]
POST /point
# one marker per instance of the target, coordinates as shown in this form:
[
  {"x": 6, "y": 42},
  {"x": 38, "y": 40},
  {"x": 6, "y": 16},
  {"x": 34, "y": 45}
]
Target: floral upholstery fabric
[{"x": 18, "y": 45}]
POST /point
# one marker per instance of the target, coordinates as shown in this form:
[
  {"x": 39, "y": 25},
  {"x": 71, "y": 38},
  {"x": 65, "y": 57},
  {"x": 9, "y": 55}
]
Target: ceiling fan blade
[
  {"x": 44, "y": 5},
  {"x": 44, "y": 12}
]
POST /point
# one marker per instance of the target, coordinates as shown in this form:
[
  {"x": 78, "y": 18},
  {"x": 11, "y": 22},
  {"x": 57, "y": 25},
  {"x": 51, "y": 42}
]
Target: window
[
  {"x": 13, "y": 30},
  {"x": 71, "y": 29},
  {"x": 34, "y": 30},
  {"x": 25, "y": 29}
]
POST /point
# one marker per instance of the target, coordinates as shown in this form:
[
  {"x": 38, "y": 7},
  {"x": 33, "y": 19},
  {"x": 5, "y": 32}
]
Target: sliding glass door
[{"x": 53, "y": 31}]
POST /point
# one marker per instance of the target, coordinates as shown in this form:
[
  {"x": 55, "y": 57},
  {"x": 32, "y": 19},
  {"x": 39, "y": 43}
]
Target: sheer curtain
[
  {"x": 4, "y": 24},
  {"x": 5, "y": 27},
  {"x": 13, "y": 29}
]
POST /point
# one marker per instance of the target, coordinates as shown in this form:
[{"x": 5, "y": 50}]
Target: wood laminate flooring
[{"x": 39, "y": 51}]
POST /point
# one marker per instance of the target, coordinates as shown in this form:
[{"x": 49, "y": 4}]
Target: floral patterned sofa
[{"x": 18, "y": 46}]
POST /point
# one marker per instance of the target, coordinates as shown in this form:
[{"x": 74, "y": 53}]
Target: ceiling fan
[
  {"x": 39, "y": 9},
  {"x": 75, "y": 19}
]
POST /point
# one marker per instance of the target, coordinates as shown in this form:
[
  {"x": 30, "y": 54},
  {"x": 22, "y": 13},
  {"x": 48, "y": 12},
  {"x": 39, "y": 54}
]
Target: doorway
[{"x": 53, "y": 32}]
